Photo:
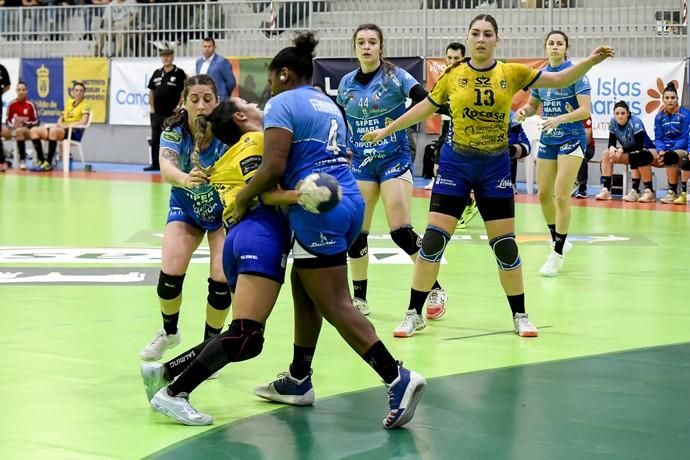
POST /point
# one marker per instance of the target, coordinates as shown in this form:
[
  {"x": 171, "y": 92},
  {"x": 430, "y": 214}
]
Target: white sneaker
[
  {"x": 430, "y": 185},
  {"x": 604, "y": 194},
  {"x": 669, "y": 198},
  {"x": 155, "y": 349},
  {"x": 412, "y": 323},
  {"x": 153, "y": 375},
  {"x": 647, "y": 197},
  {"x": 552, "y": 265},
  {"x": 362, "y": 306},
  {"x": 179, "y": 408},
  {"x": 436, "y": 304},
  {"x": 22, "y": 165},
  {"x": 631, "y": 196},
  {"x": 523, "y": 327}
]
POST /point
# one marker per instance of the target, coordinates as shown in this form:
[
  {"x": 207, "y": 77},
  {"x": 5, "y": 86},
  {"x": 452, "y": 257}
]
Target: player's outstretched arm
[
  {"x": 413, "y": 116},
  {"x": 572, "y": 74}
]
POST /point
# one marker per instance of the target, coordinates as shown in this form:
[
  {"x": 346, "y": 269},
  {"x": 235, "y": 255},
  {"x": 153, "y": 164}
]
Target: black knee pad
[
  {"x": 671, "y": 158},
  {"x": 645, "y": 157},
  {"x": 360, "y": 247},
  {"x": 218, "y": 295},
  {"x": 407, "y": 239},
  {"x": 169, "y": 286},
  {"x": 634, "y": 159},
  {"x": 434, "y": 243},
  {"x": 243, "y": 340},
  {"x": 685, "y": 164},
  {"x": 506, "y": 252}
]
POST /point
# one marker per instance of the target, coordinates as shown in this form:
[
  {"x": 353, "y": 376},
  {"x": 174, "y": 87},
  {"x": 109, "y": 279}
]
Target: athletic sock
[
  {"x": 517, "y": 303},
  {"x": 380, "y": 359},
  {"x": 559, "y": 242},
  {"x": 301, "y": 361},
  {"x": 360, "y": 288},
  {"x": 417, "y": 299}
]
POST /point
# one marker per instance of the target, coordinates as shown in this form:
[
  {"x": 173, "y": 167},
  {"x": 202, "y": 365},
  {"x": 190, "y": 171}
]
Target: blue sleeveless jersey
[
  {"x": 201, "y": 204},
  {"x": 626, "y": 134},
  {"x": 318, "y": 136},
  {"x": 559, "y": 101},
  {"x": 373, "y": 106}
]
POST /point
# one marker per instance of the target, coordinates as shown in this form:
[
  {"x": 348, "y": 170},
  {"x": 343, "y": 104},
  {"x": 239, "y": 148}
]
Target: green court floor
[{"x": 607, "y": 377}]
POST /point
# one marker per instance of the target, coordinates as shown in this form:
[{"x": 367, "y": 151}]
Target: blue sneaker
[
  {"x": 288, "y": 390},
  {"x": 403, "y": 396}
]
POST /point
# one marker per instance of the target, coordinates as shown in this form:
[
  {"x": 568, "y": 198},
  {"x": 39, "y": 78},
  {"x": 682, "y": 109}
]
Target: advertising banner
[
  {"x": 93, "y": 72},
  {"x": 44, "y": 78}
]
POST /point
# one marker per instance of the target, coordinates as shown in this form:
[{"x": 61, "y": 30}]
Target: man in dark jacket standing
[{"x": 165, "y": 91}]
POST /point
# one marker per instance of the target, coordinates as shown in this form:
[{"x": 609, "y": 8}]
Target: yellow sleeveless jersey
[
  {"x": 234, "y": 169},
  {"x": 73, "y": 111},
  {"x": 480, "y": 103}
]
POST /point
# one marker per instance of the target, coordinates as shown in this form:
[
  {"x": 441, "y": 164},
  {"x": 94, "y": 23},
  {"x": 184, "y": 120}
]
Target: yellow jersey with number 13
[{"x": 480, "y": 103}]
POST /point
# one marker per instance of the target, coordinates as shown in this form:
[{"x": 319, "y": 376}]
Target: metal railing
[{"x": 637, "y": 28}]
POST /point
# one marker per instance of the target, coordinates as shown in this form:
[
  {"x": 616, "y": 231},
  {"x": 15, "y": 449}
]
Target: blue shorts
[
  {"x": 258, "y": 244},
  {"x": 379, "y": 170},
  {"x": 330, "y": 233},
  {"x": 180, "y": 213},
  {"x": 460, "y": 173},
  {"x": 574, "y": 147}
]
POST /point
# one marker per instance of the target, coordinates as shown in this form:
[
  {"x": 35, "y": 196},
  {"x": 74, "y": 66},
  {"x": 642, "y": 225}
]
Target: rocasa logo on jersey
[{"x": 478, "y": 115}]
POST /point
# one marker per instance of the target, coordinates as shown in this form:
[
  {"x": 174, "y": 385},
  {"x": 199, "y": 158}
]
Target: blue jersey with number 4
[{"x": 318, "y": 136}]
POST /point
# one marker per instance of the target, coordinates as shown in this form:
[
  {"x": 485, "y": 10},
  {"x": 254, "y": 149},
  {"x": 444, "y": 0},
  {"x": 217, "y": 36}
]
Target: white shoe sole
[
  {"x": 165, "y": 411},
  {"x": 411, "y": 398},
  {"x": 307, "y": 399}
]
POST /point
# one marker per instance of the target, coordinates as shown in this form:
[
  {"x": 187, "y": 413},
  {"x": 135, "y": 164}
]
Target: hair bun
[
  {"x": 305, "y": 44},
  {"x": 670, "y": 86}
]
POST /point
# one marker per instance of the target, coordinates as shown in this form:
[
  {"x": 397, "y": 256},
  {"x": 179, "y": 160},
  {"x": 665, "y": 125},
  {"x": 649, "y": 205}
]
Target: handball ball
[{"x": 319, "y": 192}]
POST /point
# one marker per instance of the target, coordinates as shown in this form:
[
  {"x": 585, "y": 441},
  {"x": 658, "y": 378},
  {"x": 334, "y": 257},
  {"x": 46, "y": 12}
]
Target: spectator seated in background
[
  {"x": 76, "y": 113},
  {"x": 636, "y": 150},
  {"x": 22, "y": 115},
  {"x": 671, "y": 130},
  {"x": 518, "y": 146}
]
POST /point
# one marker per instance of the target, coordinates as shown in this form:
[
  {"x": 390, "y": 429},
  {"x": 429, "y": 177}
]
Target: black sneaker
[
  {"x": 152, "y": 168},
  {"x": 581, "y": 194}
]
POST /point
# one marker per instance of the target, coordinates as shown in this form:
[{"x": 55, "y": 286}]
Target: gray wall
[{"x": 116, "y": 144}]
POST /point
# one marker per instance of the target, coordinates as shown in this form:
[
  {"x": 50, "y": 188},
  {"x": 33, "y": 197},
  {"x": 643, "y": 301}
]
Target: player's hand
[
  {"x": 615, "y": 158},
  {"x": 375, "y": 136},
  {"x": 521, "y": 114},
  {"x": 549, "y": 124},
  {"x": 241, "y": 205},
  {"x": 602, "y": 53},
  {"x": 195, "y": 178}
]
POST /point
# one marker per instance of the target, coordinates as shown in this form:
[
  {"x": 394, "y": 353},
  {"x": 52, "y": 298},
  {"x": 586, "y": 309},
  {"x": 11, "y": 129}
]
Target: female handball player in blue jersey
[
  {"x": 372, "y": 96},
  {"x": 304, "y": 133},
  {"x": 629, "y": 144},
  {"x": 195, "y": 210},
  {"x": 561, "y": 147}
]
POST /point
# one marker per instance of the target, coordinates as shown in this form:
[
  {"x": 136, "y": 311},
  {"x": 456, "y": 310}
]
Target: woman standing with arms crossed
[
  {"x": 372, "y": 96},
  {"x": 195, "y": 211},
  {"x": 479, "y": 91},
  {"x": 561, "y": 147}
]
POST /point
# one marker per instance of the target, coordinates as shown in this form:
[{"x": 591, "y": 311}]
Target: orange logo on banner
[{"x": 657, "y": 96}]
